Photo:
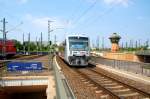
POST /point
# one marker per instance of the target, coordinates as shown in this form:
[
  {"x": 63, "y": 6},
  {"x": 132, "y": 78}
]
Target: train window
[
  {"x": 78, "y": 38},
  {"x": 78, "y": 45}
]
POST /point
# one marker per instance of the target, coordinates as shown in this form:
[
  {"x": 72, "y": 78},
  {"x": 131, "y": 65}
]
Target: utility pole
[
  {"x": 126, "y": 45},
  {"x": 97, "y": 41},
  {"x": 36, "y": 45},
  {"x": 49, "y": 30},
  {"x": 55, "y": 39},
  {"x": 147, "y": 43},
  {"x": 136, "y": 44},
  {"x": 23, "y": 44},
  {"x": 130, "y": 44},
  {"x": 29, "y": 43},
  {"x": 102, "y": 43},
  {"x": 39, "y": 45},
  {"x": 139, "y": 43},
  {"x": 4, "y": 37},
  {"x": 41, "y": 42}
]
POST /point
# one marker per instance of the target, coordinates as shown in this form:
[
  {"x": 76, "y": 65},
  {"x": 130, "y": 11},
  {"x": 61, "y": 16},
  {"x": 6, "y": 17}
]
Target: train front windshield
[{"x": 78, "y": 43}]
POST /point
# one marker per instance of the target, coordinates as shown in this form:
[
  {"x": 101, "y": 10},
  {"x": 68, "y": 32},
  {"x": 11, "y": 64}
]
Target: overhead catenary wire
[
  {"x": 74, "y": 12},
  {"x": 15, "y": 27},
  {"x": 112, "y": 6},
  {"x": 85, "y": 12},
  {"x": 96, "y": 19}
]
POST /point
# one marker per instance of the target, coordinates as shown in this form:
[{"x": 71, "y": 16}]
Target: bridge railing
[{"x": 135, "y": 67}]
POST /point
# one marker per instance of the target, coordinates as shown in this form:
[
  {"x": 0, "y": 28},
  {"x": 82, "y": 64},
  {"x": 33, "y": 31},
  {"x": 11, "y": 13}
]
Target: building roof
[{"x": 114, "y": 35}]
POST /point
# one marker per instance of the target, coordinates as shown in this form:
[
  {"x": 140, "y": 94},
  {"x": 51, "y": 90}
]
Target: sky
[{"x": 94, "y": 18}]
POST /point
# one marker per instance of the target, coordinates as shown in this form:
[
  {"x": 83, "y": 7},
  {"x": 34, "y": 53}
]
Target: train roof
[{"x": 76, "y": 35}]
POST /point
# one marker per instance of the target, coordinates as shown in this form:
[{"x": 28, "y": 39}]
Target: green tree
[{"x": 18, "y": 45}]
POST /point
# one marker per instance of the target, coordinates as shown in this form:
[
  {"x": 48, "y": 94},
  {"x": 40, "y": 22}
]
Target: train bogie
[{"x": 78, "y": 60}]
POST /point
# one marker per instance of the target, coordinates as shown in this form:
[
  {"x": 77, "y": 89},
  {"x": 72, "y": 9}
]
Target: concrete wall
[{"x": 122, "y": 56}]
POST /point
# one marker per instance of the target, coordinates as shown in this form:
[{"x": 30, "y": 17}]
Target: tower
[{"x": 114, "y": 38}]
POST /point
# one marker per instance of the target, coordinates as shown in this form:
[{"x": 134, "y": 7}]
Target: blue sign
[{"x": 24, "y": 66}]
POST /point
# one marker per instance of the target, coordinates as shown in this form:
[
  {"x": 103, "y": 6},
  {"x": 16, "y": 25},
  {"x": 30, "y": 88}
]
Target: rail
[
  {"x": 135, "y": 67},
  {"x": 63, "y": 89}
]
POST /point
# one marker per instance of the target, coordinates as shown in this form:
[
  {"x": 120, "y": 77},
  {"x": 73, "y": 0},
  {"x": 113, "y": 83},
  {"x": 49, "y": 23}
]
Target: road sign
[{"x": 24, "y": 66}]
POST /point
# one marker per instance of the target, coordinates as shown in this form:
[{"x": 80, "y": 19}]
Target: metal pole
[
  {"x": 136, "y": 44},
  {"x": 55, "y": 39},
  {"x": 102, "y": 43},
  {"x": 36, "y": 45},
  {"x": 29, "y": 43},
  {"x": 49, "y": 30},
  {"x": 23, "y": 44},
  {"x": 4, "y": 37},
  {"x": 49, "y": 44},
  {"x": 139, "y": 43},
  {"x": 41, "y": 43}
]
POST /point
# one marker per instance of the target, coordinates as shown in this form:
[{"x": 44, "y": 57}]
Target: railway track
[
  {"x": 90, "y": 83},
  {"x": 111, "y": 86}
]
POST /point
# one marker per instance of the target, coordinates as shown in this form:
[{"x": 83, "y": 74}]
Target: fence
[{"x": 135, "y": 67}]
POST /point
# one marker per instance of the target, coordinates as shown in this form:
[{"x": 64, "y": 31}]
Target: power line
[
  {"x": 85, "y": 12},
  {"x": 94, "y": 20},
  {"x": 72, "y": 16},
  {"x": 74, "y": 12},
  {"x": 101, "y": 15},
  {"x": 15, "y": 27}
]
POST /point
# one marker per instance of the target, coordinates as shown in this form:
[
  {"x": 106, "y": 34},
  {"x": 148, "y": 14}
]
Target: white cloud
[
  {"x": 22, "y": 1},
  {"x": 42, "y": 22},
  {"x": 117, "y": 2}
]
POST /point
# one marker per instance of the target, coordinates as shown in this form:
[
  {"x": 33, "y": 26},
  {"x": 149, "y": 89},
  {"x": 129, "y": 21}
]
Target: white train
[{"x": 77, "y": 50}]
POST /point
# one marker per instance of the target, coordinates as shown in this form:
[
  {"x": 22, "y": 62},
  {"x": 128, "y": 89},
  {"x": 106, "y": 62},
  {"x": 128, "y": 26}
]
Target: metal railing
[
  {"x": 135, "y": 67},
  {"x": 63, "y": 89}
]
